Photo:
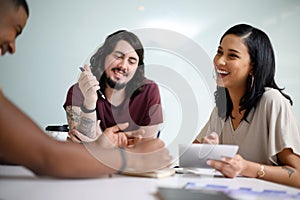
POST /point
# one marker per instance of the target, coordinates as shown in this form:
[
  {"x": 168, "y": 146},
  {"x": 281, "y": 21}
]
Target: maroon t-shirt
[{"x": 142, "y": 110}]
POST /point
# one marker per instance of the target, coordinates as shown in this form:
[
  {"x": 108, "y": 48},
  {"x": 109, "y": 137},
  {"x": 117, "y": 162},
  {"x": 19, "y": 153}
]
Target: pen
[
  {"x": 99, "y": 91},
  {"x": 158, "y": 133}
]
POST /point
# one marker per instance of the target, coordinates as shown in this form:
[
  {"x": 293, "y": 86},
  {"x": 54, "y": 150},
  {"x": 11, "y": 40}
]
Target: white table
[{"x": 17, "y": 182}]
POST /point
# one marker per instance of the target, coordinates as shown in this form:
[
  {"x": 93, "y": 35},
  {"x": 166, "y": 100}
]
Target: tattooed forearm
[
  {"x": 73, "y": 117},
  {"x": 86, "y": 126},
  {"x": 289, "y": 170},
  {"x": 82, "y": 124}
]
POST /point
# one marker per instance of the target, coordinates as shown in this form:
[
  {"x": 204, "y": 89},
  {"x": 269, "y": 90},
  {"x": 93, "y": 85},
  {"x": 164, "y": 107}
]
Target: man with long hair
[
  {"x": 22, "y": 142},
  {"x": 117, "y": 70}
]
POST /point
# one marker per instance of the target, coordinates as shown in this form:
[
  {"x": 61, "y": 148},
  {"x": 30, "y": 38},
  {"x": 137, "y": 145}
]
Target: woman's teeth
[{"x": 222, "y": 72}]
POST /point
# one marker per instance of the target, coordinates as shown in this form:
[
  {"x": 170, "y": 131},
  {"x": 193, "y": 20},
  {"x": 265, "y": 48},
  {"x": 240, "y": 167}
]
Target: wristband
[
  {"x": 124, "y": 160},
  {"x": 83, "y": 109}
]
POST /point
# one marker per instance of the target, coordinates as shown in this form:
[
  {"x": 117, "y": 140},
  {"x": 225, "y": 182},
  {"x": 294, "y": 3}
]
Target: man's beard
[{"x": 114, "y": 84}]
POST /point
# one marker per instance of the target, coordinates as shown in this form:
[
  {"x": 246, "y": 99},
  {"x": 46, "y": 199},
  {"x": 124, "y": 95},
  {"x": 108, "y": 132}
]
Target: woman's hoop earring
[
  {"x": 214, "y": 74},
  {"x": 252, "y": 80}
]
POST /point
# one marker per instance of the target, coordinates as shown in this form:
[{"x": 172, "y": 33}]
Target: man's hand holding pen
[
  {"x": 87, "y": 68},
  {"x": 88, "y": 85}
]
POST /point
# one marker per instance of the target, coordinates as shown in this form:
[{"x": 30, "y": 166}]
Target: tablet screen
[{"x": 196, "y": 155}]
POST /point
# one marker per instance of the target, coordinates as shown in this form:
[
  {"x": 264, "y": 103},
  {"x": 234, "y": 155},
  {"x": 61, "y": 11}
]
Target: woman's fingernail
[{"x": 208, "y": 162}]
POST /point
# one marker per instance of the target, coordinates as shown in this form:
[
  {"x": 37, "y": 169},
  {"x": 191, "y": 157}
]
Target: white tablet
[{"x": 195, "y": 155}]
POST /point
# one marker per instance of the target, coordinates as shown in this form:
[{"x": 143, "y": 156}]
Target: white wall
[{"x": 60, "y": 35}]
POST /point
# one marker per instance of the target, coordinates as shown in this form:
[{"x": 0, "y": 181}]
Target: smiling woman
[
  {"x": 232, "y": 63},
  {"x": 254, "y": 110}
]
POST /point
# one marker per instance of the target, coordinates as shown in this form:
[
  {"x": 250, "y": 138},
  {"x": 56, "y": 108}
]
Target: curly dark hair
[
  {"x": 263, "y": 62},
  {"x": 134, "y": 86}
]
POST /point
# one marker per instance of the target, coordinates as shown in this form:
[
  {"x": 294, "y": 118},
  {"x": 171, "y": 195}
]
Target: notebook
[{"x": 161, "y": 173}]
